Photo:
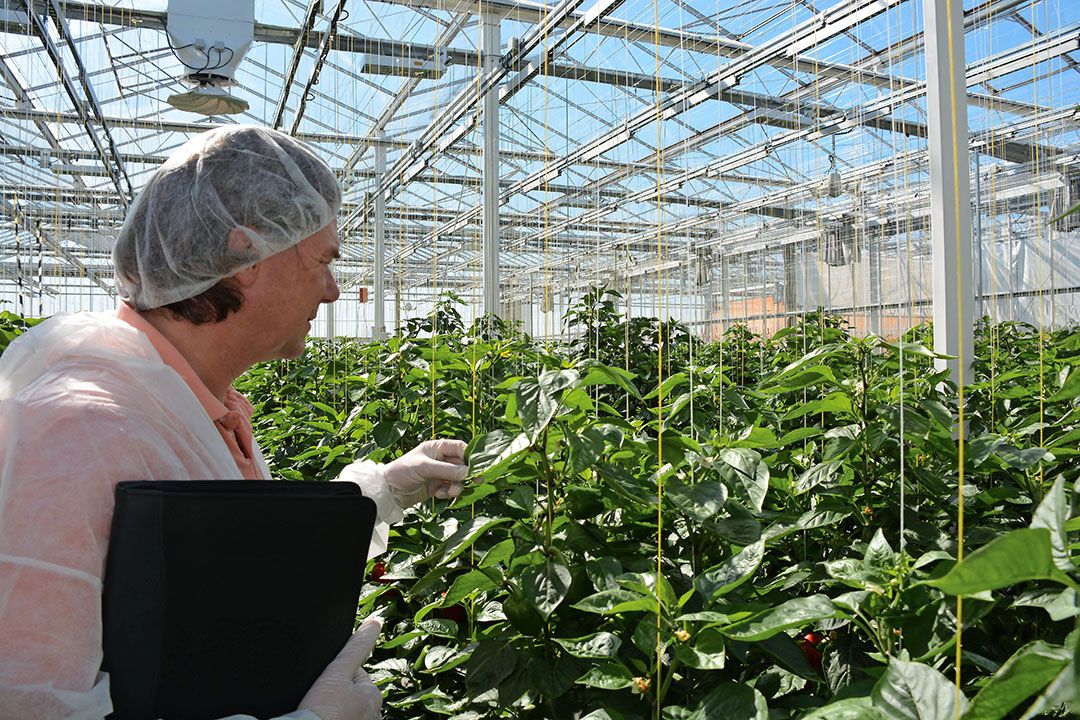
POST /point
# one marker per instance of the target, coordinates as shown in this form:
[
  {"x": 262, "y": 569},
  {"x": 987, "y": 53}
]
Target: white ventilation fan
[{"x": 210, "y": 39}]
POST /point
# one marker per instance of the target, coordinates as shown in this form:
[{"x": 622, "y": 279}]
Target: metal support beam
[
  {"x": 388, "y": 112},
  {"x": 313, "y": 9},
  {"x": 12, "y": 210},
  {"x": 109, "y": 156},
  {"x": 320, "y": 60},
  {"x": 443, "y": 132},
  {"x": 379, "y": 264},
  {"x": 16, "y": 113},
  {"x": 491, "y": 168},
  {"x": 950, "y": 209},
  {"x": 677, "y": 103}
]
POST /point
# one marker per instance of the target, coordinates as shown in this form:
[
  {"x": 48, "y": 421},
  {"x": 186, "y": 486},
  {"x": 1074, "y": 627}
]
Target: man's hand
[
  {"x": 435, "y": 468},
  {"x": 345, "y": 691}
]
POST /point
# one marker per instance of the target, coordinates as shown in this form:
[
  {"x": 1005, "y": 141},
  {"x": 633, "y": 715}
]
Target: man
[{"x": 222, "y": 262}]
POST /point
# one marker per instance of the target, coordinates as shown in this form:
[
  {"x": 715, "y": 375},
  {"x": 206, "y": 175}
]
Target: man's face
[{"x": 298, "y": 281}]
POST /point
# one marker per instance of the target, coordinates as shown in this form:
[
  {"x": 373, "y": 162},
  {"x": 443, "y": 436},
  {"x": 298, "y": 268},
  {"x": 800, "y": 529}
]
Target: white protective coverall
[{"x": 86, "y": 402}]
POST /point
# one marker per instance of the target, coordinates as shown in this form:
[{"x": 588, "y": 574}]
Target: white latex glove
[
  {"x": 435, "y": 468},
  {"x": 345, "y": 691}
]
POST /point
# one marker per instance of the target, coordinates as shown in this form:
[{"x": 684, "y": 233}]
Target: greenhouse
[{"x": 697, "y": 359}]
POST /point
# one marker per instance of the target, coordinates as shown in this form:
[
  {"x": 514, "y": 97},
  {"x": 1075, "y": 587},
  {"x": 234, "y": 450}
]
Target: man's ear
[
  {"x": 246, "y": 277},
  {"x": 238, "y": 243}
]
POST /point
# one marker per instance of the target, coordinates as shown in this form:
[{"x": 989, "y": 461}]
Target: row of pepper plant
[{"x": 750, "y": 529}]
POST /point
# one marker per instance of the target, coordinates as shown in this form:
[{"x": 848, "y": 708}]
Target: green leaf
[
  {"x": 321, "y": 425},
  {"x": 730, "y": 574},
  {"x": 736, "y": 530},
  {"x": 816, "y": 475},
  {"x": 465, "y": 535},
  {"x": 701, "y": 501},
  {"x": 552, "y": 679},
  {"x": 669, "y": 384},
  {"x": 794, "y": 613},
  {"x": 608, "y": 676},
  {"x": 499, "y": 553},
  {"x": 1058, "y": 604},
  {"x": 466, "y": 584},
  {"x": 602, "y": 572},
  {"x": 744, "y": 469},
  {"x": 816, "y": 375},
  {"x": 732, "y": 701},
  {"x": 879, "y": 554},
  {"x": 552, "y": 381},
  {"x": 1028, "y": 671},
  {"x": 440, "y": 627},
  {"x": 756, "y": 437},
  {"x": 603, "y": 715},
  {"x": 645, "y": 635},
  {"x": 335, "y": 452},
  {"x": 327, "y": 411},
  {"x": 1022, "y": 459},
  {"x": 598, "y": 374},
  {"x": 1062, "y": 689},
  {"x": 491, "y": 662},
  {"x": 913, "y": 691},
  {"x": 609, "y": 602},
  {"x": 441, "y": 658},
  {"x": 1015, "y": 557},
  {"x": 388, "y": 432},
  {"x": 1052, "y": 514},
  {"x": 473, "y": 493},
  {"x": 535, "y": 407},
  {"x": 834, "y": 403},
  {"x": 495, "y": 451},
  {"x": 982, "y": 447},
  {"x": 910, "y": 349},
  {"x": 849, "y": 709},
  {"x": 597, "y": 645},
  {"x": 546, "y": 586},
  {"x": 585, "y": 448},
  {"x": 799, "y": 434},
  {"x": 1069, "y": 389},
  {"x": 706, "y": 652}
]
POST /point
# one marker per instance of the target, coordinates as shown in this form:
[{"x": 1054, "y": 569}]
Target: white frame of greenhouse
[{"x": 715, "y": 161}]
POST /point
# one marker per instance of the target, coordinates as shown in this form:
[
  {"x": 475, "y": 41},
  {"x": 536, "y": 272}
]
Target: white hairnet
[{"x": 174, "y": 243}]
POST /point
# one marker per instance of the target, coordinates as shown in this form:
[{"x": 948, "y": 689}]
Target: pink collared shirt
[{"x": 232, "y": 418}]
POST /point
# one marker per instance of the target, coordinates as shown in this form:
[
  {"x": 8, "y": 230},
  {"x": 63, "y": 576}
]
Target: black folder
[{"x": 224, "y": 597}]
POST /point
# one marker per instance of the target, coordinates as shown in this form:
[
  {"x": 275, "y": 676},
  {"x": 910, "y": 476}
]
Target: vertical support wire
[
  {"x": 435, "y": 246},
  {"x": 659, "y": 364},
  {"x": 961, "y": 359}
]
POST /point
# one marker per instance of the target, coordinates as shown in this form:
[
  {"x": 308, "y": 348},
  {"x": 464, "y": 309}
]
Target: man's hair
[{"x": 209, "y": 306}]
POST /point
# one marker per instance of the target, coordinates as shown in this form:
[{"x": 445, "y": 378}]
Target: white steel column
[
  {"x": 491, "y": 167},
  {"x": 331, "y": 325},
  {"x": 873, "y": 251},
  {"x": 790, "y": 296},
  {"x": 950, "y": 204},
  {"x": 725, "y": 299},
  {"x": 379, "y": 331}
]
